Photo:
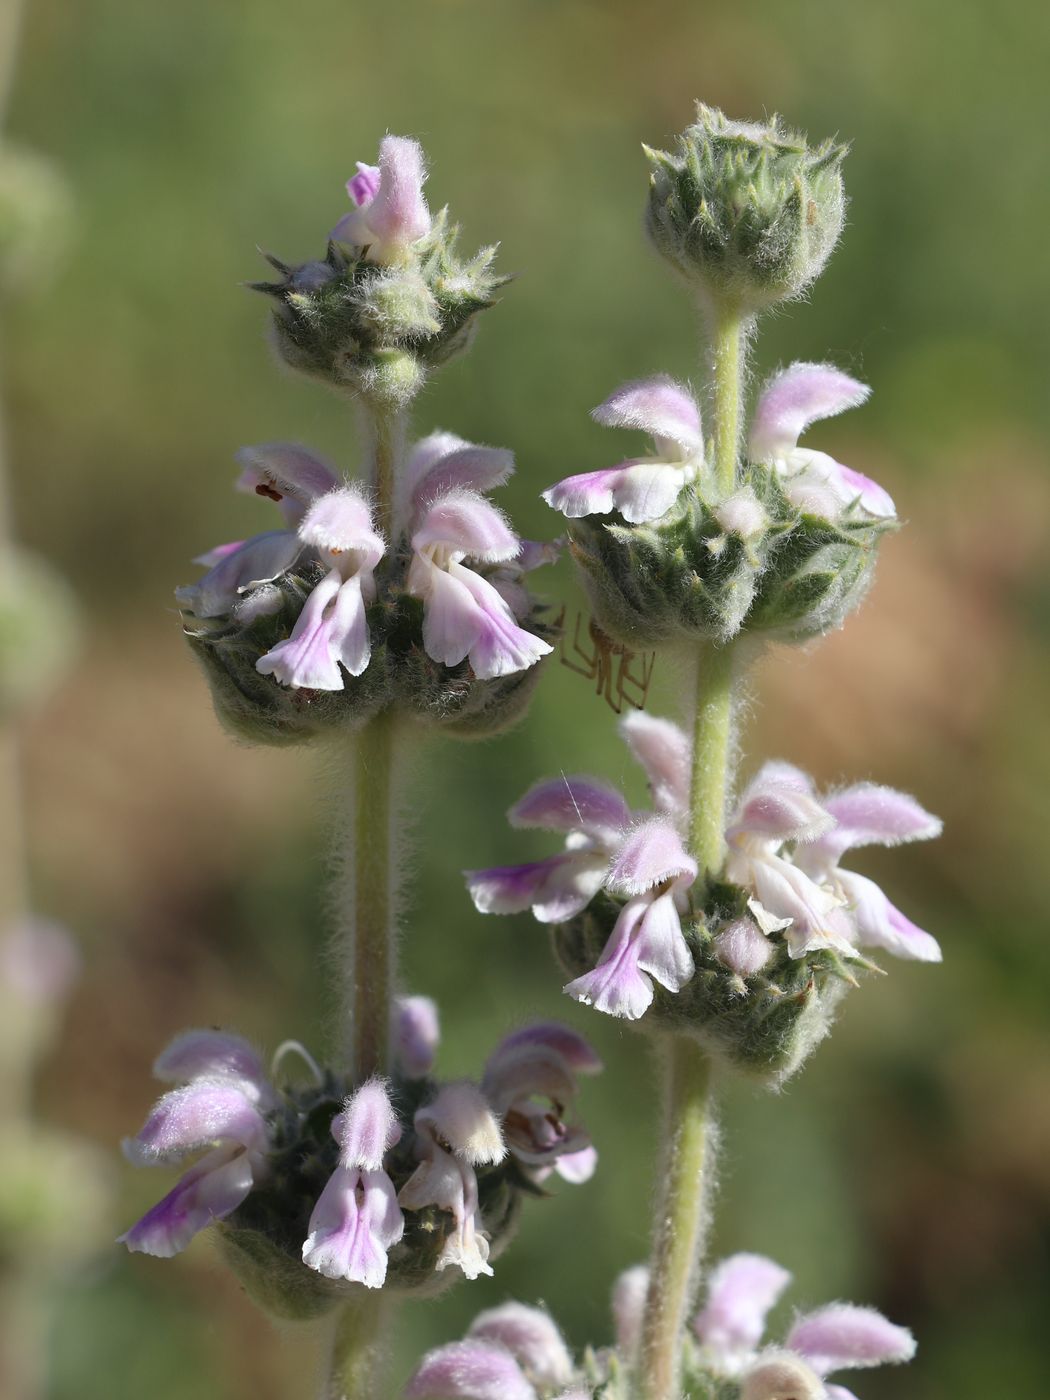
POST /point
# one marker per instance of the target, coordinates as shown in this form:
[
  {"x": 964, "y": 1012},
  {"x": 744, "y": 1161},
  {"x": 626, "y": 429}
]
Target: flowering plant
[{"x": 718, "y": 922}]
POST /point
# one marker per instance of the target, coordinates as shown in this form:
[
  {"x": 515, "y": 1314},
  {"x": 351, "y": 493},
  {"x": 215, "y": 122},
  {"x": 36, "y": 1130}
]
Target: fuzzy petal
[
  {"x": 616, "y": 985},
  {"x": 869, "y": 494},
  {"x": 743, "y": 947},
  {"x": 740, "y": 1294},
  {"x": 502, "y": 647},
  {"x": 290, "y": 470},
  {"x": 796, "y": 397},
  {"x": 397, "y": 213},
  {"x": 651, "y": 853},
  {"x": 554, "y": 889},
  {"x": 575, "y": 803},
  {"x": 211, "y": 1053},
  {"x": 460, "y": 1116},
  {"x": 341, "y": 521},
  {"x": 367, "y": 1127},
  {"x": 210, "y": 1190},
  {"x": 665, "y": 752},
  {"x": 574, "y": 1049},
  {"x": 443, "y": 462},
  {"x": 200, "y": 1114},
  {"x": 418, "y": 1033},
  {"x": 880, "y": 924},
  {"x": 531, "y": 1337},
  {"x": 779, "y": 805},
  {"x": 639, "y": 490},
  {"x": 658, "y": 406},
  {"x": 817, "y": 918},
  {"x": 628, "y": 1308},
  {"x": 660, "y": 946},
  {"x": 354, "y": 1223},
  {"x": 868, "y": 814},
  {"x": 260, "y": 560},
  {"x": 842, "y": 1336},
  {"x": 331, "y": 628},
  {"x": 469, "y": 1370},
  {"x": 364, "y": 186},
  {"x": 465, "y": 522}
]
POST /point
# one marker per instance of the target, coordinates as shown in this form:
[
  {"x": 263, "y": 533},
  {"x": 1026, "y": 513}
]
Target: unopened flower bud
[
  {"x": 781, "y": 1377},
  {"x": 746, "y": 211}
]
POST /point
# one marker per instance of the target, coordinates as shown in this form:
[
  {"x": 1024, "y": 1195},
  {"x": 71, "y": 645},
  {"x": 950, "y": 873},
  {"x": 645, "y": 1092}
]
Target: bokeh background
[{"x": 909, "y": 1165}]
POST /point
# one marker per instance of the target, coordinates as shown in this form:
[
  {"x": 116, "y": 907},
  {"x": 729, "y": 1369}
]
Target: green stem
[
  {"x": 680, "y": 1217},
  {"x": 688, "y": 1133},
  {"x": 355, "y": 1366},
  {"x": 370, "y": 933},
  {"x": 387, "y": 429}
]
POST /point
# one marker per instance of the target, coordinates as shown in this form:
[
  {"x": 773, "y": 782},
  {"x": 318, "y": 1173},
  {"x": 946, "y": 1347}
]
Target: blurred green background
[{"x": 909, "y": 1165}]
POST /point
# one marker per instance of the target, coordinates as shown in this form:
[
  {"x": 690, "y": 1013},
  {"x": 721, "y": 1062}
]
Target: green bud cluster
[
  {"x": 685, "y": 578},
  {"x": 262, "y": 1241},
  {"x": 369, "y": 328},
  {"x": 764, "y": 1025},
  {"x": 400, "y": 675},
  {"x": 749, "y": 213}
]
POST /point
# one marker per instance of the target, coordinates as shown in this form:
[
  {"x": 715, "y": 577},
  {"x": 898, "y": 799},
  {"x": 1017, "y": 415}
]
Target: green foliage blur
[{"x": 909, "y": 1165}]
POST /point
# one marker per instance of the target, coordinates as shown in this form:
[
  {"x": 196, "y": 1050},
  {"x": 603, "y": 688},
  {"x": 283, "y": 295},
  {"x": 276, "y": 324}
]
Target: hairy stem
[
  {"x": 387, "y": 433},
  {"x": 355, "y": 1365},
  {"x": 688, "y": 1130}
]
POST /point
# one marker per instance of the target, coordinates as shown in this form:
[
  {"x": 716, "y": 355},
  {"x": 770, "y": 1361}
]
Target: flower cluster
[
  {"x": 417, "y": 1176},
  {"x": 516, "y": 1352},
  {"x": 788, "y": 550},
  {"x": 329, "y": 608},
  {"x": 783, "y": 895},
  {"x": 391, "y": 298}
]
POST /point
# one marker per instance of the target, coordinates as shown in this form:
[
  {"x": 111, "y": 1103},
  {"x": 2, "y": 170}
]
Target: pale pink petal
[
  {"x": 574, "y": 1049},
  {"x": 418, "y": 1033},
  {"x": 288, "y": 469},
  {"x": 198, "y": 1115},
  {"x": 210, "y": 1190},
  {"x": 341, "y": 521},
  {"x": 628, "y": 1308},
  {"x": 531, "y": 1337},
  {"x": 211, "y": 557},
  {"x": 452, "y": 621},
  {"x": 743, "y": 947},
  {"x": 469, "y": 1371},
  {"x": 501, "y": 647},
  {"x": 658, "y": 406},
  {"x": 575, "y": 803},
  {"x": 639, "y": 490},
  {"x": 742, "y": 514},
  {"x": 660, "y": 946},
  {"x": 577, "y": 1167},
  {"x": 367, "y": 1127},
  {"x": 778, "y": 804},
  {"x": 526, "y": 1071},
  {"x": 463, "y": 466},
  {"x": 740, "y": 1294},
  {"x": 330, "y": 628},
  {"x": 817, "y": 918},
  {"x": 872, "y": 497},
  {"x": 795, "y": 398},
  {"x": 463, "y": 521},
  {"x": 616, "y": 985},
  {"x": 554, "y": 889},
  {"x": 842, "y": 1336},
  {"x": 665, "y": 752},
  {"x": 460, "y": 1116},
  {"x": 262, "y": 559},
  {"x": 363, "y": 187},
  {"x": 838, "y": 1392},
  {"x": 868, "y": 814},
  {"x": 212, "y": 1053},
  {"x": 397, "y": 213},
  {"x": 651, "y": 853},
  {"x": 354, "y": 1223},
  {"x": 880, "y": 924}
]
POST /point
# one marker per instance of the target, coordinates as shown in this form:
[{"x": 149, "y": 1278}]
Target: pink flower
[
  {"x": 642, "y": 488},
  {"x": 455, "y": 1133},
  {"x": 511, "y": 1352},
  {"x": 390, "y": 213},
  {"x": 729, "y": 1327},
  {"x": 219, "y": 1109},
  {"x": 417, "y": 1032},
  {"x": 357, "y": 1218},
  {"x": 867, "y": 814},
  {"x": 529, "y": 1080},
  {"x": 814, "y": 482},
  {"x": 331, "y": 632},
  {"x": 465, "y": 616}
]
